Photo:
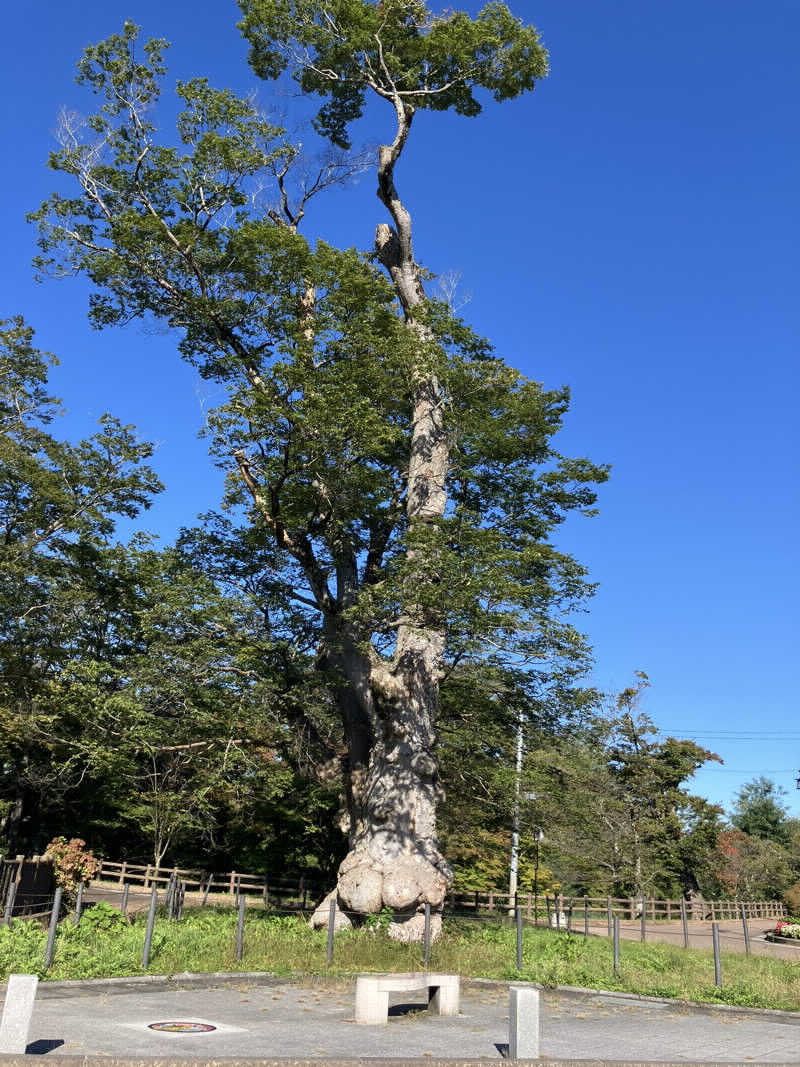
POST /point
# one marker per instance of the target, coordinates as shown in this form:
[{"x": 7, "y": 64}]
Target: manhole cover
[{"x": 182, "y": 1028}]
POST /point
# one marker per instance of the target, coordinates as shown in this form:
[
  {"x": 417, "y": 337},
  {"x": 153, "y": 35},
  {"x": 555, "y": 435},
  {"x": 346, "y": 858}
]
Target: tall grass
[{"x": 106, "y": 945}]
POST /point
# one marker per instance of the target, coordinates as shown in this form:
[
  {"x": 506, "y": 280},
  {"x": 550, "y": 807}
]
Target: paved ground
[
  {"x": 731, "y": 935},
  {"x": 270, "y": 1018}
]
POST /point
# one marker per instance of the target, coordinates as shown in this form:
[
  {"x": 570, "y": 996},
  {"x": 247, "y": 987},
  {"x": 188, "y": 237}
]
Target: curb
[{"x": 213, "y": 979}]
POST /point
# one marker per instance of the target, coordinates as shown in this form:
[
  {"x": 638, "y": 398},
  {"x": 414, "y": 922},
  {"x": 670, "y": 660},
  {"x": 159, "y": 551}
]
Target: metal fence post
[
  {"x": 10, "y": 895},
  {"x": 331, "y": 927},
  {"x": 746, "y": 929},
  {"x": 519, "y": 939},
  {"x": 684, "y": 923},
  {"x": 240, "y": 928},
  {"x": 151, "y": 919},
  {"x": 717, "y": 962},
  {"x": 79, "y": 904},
  {"x": 51, "y": 933},
  {"x": 427, "y": 935}
]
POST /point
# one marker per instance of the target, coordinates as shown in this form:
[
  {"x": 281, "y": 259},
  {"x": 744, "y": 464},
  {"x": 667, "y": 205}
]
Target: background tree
[
  {"x": 58, "y": 502},
  {"x": 400, "y": 477},
  {"x": 759, "y": 810},
  {"x": 616, "y": 811},
  {"x": 749, "y": 867}
]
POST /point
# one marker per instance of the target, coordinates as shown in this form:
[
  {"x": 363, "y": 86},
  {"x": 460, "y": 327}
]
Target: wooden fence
[
  {"x": 302, "y": 891},
  {"x": 26, "y": 887},
  {"x": 299, "y": 892},
  {"x": 620, "y": 907}
]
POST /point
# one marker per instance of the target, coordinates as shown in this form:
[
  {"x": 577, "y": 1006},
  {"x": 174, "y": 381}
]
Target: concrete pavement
[{"x": 263, "y": 1017}]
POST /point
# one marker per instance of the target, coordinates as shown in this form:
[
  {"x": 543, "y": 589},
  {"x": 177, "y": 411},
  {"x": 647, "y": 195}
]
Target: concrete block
[
  {"x": 372, "y": 994},
  {"x": 372, "y": 1003},
  {"x": 17, "y": 1012},
  {"x": 523, "y": 1023},
  {"x": 444, "y": 993}
]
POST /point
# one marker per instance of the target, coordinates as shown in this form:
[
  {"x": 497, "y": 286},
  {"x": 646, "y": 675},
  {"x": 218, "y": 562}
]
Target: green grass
[{"x": 105, "y": 945}]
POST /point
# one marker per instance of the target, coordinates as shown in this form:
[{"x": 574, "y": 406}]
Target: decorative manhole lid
[{"x": 182, "y": 1028}]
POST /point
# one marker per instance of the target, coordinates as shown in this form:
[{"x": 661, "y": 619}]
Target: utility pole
[{"x": 513, "y": 873}]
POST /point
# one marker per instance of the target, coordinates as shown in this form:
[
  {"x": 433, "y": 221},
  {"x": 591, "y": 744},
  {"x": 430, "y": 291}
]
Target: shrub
[{"x": 73, "y": 863}]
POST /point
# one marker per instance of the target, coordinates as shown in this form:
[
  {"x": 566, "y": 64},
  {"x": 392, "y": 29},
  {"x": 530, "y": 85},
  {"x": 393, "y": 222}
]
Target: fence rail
[
  {"x": 302, "y": 891},
  {"x": 536, "y": 905}
]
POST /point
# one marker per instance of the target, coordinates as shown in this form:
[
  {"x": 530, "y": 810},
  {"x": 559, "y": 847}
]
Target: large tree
[{"x": 398, "y": 478}]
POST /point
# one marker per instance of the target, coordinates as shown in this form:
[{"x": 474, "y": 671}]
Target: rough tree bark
[{"x": 389, "y": 708}]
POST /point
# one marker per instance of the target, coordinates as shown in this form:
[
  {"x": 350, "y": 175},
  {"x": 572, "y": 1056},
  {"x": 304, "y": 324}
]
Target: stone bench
[{"x": 372, "y": 994}]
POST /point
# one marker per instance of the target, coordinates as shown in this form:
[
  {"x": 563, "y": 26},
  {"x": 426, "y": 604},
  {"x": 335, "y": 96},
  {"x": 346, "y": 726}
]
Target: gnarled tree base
[{"x": 403, "y": 885}]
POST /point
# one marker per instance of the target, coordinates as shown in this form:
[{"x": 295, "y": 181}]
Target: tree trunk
[{"x": 389, "y": 708}]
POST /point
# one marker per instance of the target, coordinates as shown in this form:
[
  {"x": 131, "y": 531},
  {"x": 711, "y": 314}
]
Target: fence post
[
  {"x": 746, "y": 930},
  {"x": 616, "y": 947},
  {"x": 209, "y": 883},
  {"x": 232, "y": 883},
  {"x": 610, "y": 916},
  {"x": 427, "y": 935},
  {"x": 124, "y": 906},
  {"x": 644, "y": 919},
  {"x": 717, "y": 962},
  {"x": 519, "y": 938},
  {"x": 12, "y": 892},
  {"x": 530, "y": 898},
  {"x": 240, "y": 929},
  {"x": 266, "y": 895},
  {"x": 684, "y": 923},
  {"x": 331, "y": 926},
  {"x": 585, "y": 916},
  {"x": 146, "y": 883},
  {"x": 151, "y": 919},
  {"x": 51, "y": 933},
  {"x": 79, "y": 904}
]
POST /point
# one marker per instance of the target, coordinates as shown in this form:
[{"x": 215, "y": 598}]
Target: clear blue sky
[{"x": 631, "y": 229}]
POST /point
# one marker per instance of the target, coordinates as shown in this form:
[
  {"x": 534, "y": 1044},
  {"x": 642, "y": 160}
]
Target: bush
[{"x": 73, "y": 863}]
